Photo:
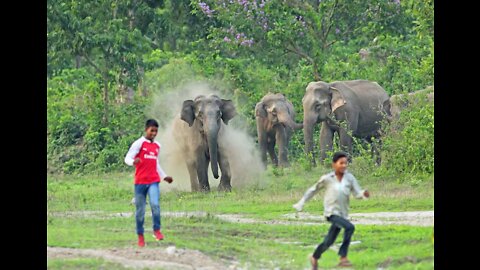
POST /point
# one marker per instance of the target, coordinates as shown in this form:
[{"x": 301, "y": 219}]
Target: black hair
[
  {"x": 339, "y": 155},
  {"x": 151, "y": 123}
]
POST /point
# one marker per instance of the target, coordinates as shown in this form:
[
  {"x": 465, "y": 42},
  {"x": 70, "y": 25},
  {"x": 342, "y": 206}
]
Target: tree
[
  {"x": 102, "y": 33},
  {"x": 305, "y": 29}
]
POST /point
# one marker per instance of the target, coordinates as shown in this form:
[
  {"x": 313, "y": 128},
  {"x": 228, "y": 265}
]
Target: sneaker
[
  {"x": 141, "y": 240},
  {"x": 158, "y": 235},
  {"x": 298, "y": 207}
]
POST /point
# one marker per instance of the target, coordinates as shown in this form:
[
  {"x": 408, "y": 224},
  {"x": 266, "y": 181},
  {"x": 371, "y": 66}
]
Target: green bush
[
  {"x": 408, "y": 147},
  {"x": 77, "y": 140}
]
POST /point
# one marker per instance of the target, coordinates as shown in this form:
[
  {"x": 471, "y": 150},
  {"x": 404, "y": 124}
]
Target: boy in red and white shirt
[{"x": 143, "y": 154}]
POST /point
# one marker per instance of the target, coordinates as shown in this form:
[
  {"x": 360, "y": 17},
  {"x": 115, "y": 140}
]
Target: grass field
[
  {"x": 254, "y": 246},
  {"x": 83, "y": 263}
]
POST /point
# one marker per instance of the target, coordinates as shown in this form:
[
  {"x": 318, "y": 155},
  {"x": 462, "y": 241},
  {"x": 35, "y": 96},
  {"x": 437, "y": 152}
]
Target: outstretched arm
[
  {"x": 358, "y": 192},
  {"x": 309, "y": 194}
]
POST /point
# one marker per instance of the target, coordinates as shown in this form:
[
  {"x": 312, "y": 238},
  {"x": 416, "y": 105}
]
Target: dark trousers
[{"x": 337, "y": 224}]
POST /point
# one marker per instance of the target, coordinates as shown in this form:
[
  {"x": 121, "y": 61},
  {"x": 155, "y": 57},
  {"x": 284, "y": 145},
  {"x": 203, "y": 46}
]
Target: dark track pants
[{"x": 337, "y": 224}]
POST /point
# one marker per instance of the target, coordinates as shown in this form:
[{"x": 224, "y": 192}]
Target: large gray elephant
[
  {"x": 275, "y": 123},
  {"x": 359, "y": 104},
  {"x": 198, "y": 135}
]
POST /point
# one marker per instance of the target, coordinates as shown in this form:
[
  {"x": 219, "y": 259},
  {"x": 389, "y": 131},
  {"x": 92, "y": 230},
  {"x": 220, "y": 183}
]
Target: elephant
[
  {"x": 275, "y": 123},
  {"x": 400, "y": 102},
  {"x": 198, "y": 132},
  {"x": 359, "y": 104}
]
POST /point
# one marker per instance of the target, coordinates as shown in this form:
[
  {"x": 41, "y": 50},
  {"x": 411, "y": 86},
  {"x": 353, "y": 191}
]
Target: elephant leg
[
  {"x": 226, "y": 176},
  {"x": 281, "y": 138},
  {"x": 309, "y": 128},
  {"x": 192, "y": 171},
  {"x": 271, "y": 150},
  {"x": 346, "y": 142},
  {"x": 202, "y": 172},
  {"x": 326, "y": 141}
]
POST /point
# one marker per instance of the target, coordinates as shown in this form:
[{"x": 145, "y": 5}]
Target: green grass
[
  {"x": 254, "y": 245},
  {"x": 82, "y": 263},
  {"x": 276, "y": 195},
  {"x": 265, "y": 245}
]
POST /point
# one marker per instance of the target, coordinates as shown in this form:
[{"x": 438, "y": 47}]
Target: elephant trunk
[
  {"x": 287, "y": 119},
  {"x": 212, "y": 135},
  {"x": 294, "y": 125}
]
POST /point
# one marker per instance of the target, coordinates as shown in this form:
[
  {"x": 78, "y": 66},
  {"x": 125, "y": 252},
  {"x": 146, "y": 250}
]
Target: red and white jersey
[{"x": 148, "y": 170}]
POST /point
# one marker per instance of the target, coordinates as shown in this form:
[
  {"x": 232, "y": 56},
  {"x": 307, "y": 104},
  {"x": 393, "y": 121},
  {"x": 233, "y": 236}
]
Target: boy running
[
  {"x": 338, "y": 185},
  {"x": 143, "y": 154}
]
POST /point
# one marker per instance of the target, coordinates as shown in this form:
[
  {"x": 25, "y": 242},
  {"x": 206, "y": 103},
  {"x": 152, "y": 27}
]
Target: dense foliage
[{"x": 107, "y": 58}]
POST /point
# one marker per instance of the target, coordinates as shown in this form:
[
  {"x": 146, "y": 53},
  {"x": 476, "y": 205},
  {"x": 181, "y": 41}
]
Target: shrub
[{"x": 408, "y": 147}]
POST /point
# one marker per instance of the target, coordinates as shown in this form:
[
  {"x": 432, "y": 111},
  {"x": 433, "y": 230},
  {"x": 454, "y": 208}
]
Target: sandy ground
[{"x": 139, "y": 258}]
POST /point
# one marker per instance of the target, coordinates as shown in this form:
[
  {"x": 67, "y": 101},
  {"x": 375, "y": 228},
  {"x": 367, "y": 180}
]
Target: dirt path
[
  {"x": 413, "y": 218},
  {"x": 139, "y": 258}
]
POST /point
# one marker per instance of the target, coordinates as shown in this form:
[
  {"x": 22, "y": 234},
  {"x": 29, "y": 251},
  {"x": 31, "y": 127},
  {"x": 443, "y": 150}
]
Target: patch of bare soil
[
  {"x": 413, "y": 218},
  {"x": 138, "y": 258}
]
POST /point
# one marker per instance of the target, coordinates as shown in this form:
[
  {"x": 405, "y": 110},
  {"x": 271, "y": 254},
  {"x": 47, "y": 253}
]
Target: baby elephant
[{"x": 275, "y": 123}]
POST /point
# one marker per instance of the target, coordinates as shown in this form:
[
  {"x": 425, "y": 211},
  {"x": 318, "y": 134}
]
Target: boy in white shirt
[{"x": 338, "y": 185}]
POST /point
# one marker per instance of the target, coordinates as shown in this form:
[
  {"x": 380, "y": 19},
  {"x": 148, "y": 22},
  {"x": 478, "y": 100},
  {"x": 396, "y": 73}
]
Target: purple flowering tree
[
  {"x": 206, "y": 9},
  {"x": 293, "y": 30}
]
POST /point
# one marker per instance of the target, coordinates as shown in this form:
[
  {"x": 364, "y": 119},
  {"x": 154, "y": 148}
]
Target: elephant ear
[
  {"x": 228, "y": 110},
  {"x": 260, "y": 110},
  {"x": 338, "y": 99},
  {"x": 188, "y": 114}
]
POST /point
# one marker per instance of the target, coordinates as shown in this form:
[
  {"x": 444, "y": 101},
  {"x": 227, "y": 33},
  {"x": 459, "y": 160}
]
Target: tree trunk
[
  {"x": 316, "y": 75},
  {"x": 78, "y": 61},
  {"x": 130, "y": 95},
  {"x": 105, "y": 88},
  {"x": 142, "y": 88},
  {"x": 131, "y": 16},
  {"x": 105, "y": 101}
]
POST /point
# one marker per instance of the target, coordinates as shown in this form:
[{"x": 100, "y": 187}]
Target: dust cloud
[{"x": 243, "y": 156}]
